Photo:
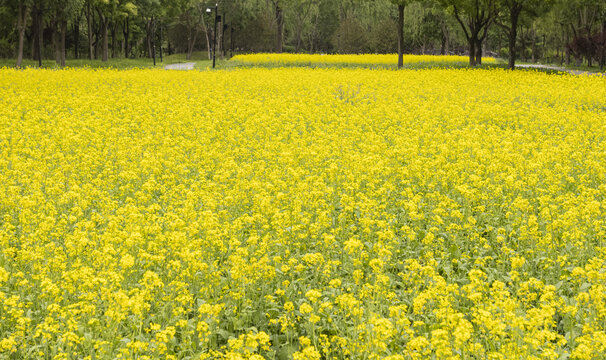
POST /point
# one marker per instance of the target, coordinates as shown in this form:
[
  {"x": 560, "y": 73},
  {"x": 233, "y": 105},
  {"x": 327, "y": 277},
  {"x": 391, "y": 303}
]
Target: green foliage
[
  {"x": 383, "y": 38},
  {"x": 350, "y": 37},
  {"x": 309, "y": 25}
]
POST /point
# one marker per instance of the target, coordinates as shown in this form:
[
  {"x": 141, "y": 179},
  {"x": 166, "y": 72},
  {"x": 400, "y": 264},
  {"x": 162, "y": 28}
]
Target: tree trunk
[
  {"x": 472, "y": 35},
  {"x": 207, "y": 40},
  {"x": 89, "y": 26},
  {"x": 35, "y": 32},
  {"x": 57, "y": 41},
  {"x": 160, "y": 43},
  {"x": 480, "y": 42},
  {"x": 514, "y": 16},
  {"x": 126, "y": 33},
  {"x": 62, "y": 42},
  {"x": 112, "y": 33},
  {"x": 400, "y": 36},
  {"x": 96, "y": 43},
  {"x": 105, "y": 35},
  {"x": 567, "y": 47},
  {"x": 445, "y": 39},
  {"x": 148, "y": 29},
  {"x": 472, "y": 50},
  {"x": 21, "y": 25},
  {"x": 76, "y": 37},
  {"x": 279, "y": 28},
  {"x": 59, "y": 30},
  {"x": 154, "y": 40},
  {"x": 603, "y": 47},
  {"x": 40, "y": 38},
  {"x": 533, "y": 55}
]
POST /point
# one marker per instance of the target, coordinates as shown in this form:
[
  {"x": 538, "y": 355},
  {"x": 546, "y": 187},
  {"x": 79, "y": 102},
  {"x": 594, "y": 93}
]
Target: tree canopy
[{"x": 547, "y": 30}]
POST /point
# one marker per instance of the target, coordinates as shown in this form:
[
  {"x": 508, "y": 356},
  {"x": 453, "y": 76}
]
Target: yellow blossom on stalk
[
  {"x": 517, "y": 262},
  {"x": 335, "y": 283},
  {"x": 313, "y": 295},
  {"x": 8, "y": 345},
  {"x": 376, "y": 59},
  {"x": 289, "y": 306},
  {"x": 305, "y": 308},
  {"x": 308, "y": 353},
  {"x": 127, "y": 261}
]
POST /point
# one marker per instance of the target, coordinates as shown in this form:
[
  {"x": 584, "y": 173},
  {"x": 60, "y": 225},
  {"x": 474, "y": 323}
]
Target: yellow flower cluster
[
  {"x": 350, "y": 59},
  {"x": 302, "y": 213}
]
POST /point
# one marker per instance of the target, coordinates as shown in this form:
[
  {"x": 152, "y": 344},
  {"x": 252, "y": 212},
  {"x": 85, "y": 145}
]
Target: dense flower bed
[
  {"x": 366, "y": 59},
  {"x": 299, "y": 213}
]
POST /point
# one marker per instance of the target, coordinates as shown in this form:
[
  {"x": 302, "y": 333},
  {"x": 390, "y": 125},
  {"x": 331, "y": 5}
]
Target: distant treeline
[{"x": 532, "y": 30}]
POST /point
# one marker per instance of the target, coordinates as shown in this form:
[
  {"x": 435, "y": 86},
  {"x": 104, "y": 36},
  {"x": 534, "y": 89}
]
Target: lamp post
[{"x": 209, "y": 10}]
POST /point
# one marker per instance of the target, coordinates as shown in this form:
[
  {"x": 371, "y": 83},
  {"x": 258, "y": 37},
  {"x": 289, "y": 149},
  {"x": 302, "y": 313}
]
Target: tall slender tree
[
  {"x": 401, "y": 5},
  {"x": 279, "y": 18},
  {"x": 61, "y": 12},
  {"x": 509, "y": 18},
  {"x": 24, "y": 7}
]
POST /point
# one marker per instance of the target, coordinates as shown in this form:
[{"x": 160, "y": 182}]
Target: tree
[
  {"x": 62, "y": 11},
  {"x": 24, "y": 8},
  {"x": 400, "y": 31},
  {"x": 475, "y": 18},
  {"x": 279, "y": 18},
  {"x": 512, "y": 10},
  {"x": 584, "y": 17},
  {"x": 103, "y": 10}
]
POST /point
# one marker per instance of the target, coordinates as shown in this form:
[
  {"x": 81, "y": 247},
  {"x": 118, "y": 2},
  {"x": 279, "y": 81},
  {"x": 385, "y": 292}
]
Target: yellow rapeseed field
[
  {"x": 349, "y": 59},
  {"x": 302, "y": 214}
]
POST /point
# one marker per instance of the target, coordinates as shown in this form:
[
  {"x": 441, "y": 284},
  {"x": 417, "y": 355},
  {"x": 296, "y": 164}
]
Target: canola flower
[
  {"x": 350, "y": 59},
  {"x": 302, "y": 214}
]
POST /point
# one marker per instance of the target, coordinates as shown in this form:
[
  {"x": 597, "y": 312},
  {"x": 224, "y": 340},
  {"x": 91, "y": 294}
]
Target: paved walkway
[
  {"x": 183, "y": 66},
  {"x": 557, "y": 68}
]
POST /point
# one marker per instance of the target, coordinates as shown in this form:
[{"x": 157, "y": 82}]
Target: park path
[
  {"x": 557, "y": 68},
  {"x": 183, "y": 66}
]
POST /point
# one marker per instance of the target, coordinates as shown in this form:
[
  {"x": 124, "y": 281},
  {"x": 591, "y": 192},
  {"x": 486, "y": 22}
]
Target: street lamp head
[{"x": 209, "y": 10}]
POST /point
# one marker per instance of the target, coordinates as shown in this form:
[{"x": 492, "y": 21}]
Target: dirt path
[
  {"x": 557, "y": 68},
  {"x": 183, "y": 66}
]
